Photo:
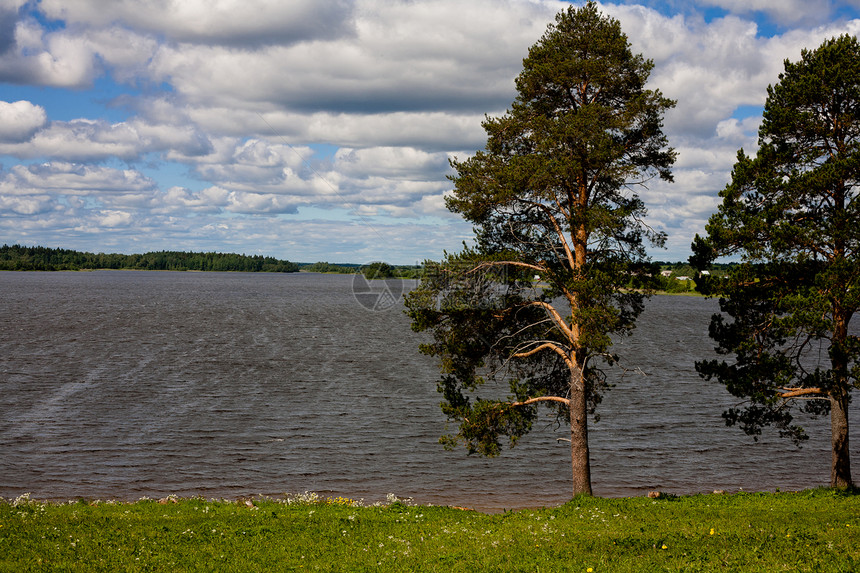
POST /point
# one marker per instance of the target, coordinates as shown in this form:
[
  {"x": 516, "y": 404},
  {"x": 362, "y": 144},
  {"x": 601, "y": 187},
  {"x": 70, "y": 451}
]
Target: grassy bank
[{"x": 809, "y": 531}]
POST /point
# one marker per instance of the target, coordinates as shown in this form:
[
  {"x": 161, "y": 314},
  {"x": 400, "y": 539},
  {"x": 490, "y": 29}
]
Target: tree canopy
[
  {"x": 792, "y": 216},
  {"x": 559, "y": 234}
]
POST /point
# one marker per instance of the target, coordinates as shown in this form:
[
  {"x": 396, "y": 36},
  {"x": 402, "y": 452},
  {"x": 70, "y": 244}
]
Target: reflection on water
[{"x": 122, "y": 384}]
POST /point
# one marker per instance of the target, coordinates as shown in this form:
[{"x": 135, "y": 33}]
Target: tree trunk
[
  {"x": 840, "y": 466},
  {"x": 579, "y": 456}
]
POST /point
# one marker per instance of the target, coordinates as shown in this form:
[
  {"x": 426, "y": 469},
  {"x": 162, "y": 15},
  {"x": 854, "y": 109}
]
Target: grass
[{"x": 816, "y": 530}]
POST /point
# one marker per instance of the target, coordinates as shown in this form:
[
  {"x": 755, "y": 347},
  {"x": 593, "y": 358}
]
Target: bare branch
[
  {"x": 795, "y": 392},
  {"x": 512, "y": 263},
  {"x": 559, "y": 321},
  {"x": 558, "y": 231},
  {"x": 564, "y": 401},
  {"x": 554, "y": 347}
]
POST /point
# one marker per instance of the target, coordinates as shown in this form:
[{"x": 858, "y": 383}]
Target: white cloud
[
  {"x": 126, "y": 53},
  {"x": 406, "y": 162},
  {"x": 428, "y": 130},
  {"x": 739, "y": 132},
  {"x": 183, "y": 200},
  {"x": 423, "y": 56},
  {"x": 258, "y": 203},
  {"x": 92, "y": 140},
  {"x": 213, "y": 21},
  {"x": 712, "y": 69},
  {"x": 268, "y": 177},
  {"x": 29, "y": 205},
  {"x": 80, "y": 140},
  {"x": 272, "y": 110},
  {"x": 20, "y": 120},
  {"x": 60, "y": 58},
  {"x": 114, "y": 218},
  {"x": 60, "y": 178}
]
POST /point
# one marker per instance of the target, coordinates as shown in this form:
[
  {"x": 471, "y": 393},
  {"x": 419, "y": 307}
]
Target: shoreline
[{"x": 319, "y": 497}]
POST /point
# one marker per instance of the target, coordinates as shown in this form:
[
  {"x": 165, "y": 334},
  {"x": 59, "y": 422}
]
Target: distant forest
[{"x": 18, "y": 258}]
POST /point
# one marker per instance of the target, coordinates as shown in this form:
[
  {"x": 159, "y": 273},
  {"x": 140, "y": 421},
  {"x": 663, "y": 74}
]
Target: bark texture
[{"x": 579, "y": 453}]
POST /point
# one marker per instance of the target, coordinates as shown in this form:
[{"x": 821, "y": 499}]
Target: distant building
[{"x": 665, "y": 273}]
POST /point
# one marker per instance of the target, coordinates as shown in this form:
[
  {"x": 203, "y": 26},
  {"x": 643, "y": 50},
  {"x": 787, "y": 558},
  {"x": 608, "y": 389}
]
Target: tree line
[
  {"x": 554, "y": 195},
  {"x": 20, "y": 258}
]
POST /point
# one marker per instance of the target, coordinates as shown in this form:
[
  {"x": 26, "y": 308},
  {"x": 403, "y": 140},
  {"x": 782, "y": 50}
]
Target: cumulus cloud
[
  {"x": 709, "y": 69},
  {"x": 20, "y": 120},
  {"x": 125, "y": 53},
  {"x": 61, "y": 58},
  {"x": 436, "y": 131},
  {"x": 713, "y": 69},
  {"x": 29, "y": 205},
  {"x": 273, "y": 110},
  {"x": 443, "y": 55},
  {"x": 62, "y": 178},
  {"x": 258, "y": 203},
  {"x": 96, "y": 140},
  {"x": 406, "y": 162},
  {"x": 181, "y": 199},
  {"x": 242, "y": 22}
]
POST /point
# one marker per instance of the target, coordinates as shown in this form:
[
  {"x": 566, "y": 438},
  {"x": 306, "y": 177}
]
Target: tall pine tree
[
  {"x": 559, "y": 238},
  {"x": 792, "y": 215}
]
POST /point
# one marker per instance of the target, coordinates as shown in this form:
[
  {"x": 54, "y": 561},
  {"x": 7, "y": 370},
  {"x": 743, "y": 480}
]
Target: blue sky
[{"x": 314, "y": 130}]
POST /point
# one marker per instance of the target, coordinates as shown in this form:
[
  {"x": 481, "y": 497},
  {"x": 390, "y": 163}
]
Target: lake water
[{"x": 122, "y": 384}]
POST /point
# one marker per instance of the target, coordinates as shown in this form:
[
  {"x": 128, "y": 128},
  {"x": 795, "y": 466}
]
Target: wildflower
[
  {"x": 712, "y": 531},
  {"x": 590, "y": 570},
  {"x": 665, "y": 546}
]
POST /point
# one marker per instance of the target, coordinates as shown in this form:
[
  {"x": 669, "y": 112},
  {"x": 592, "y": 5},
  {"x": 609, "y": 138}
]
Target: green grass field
[{"x": 816, "y": 530}]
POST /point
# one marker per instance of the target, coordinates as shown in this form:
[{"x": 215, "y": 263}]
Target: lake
[{"x": 123, "y": 384}]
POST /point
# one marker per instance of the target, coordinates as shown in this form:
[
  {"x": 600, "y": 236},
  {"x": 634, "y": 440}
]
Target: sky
[{"x": 321, "y": 131}]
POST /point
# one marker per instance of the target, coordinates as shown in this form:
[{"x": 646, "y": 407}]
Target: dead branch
[
  {"x": 558, "y": 231},
  {"x": 559, "y": 321},
  {"x": 555, "y": 348},
  {"x": 795, "y": 392},
  {"x": 564, "y": 401},
  {"x": 512, "y": 263}
]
